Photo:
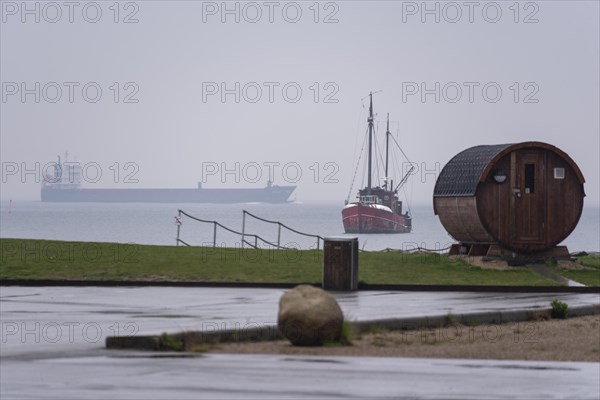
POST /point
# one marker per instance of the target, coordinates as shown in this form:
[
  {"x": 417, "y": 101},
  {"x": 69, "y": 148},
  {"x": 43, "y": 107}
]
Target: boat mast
[
  {"x": 370, "y": 121},
  {"x": 387, "y": 148}
]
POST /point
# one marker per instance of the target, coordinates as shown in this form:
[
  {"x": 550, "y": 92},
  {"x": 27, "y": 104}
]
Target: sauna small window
[
  {"x": 559, "y": 173},
  {"x": 530, "y": 178}
]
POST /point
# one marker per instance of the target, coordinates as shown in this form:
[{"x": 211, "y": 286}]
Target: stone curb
[
  {"x": 274, "y": 285},
  {"x": 188, "y": 340}
]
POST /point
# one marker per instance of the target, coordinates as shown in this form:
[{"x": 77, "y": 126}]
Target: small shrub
[
  {"x": 345, "y": 337},
  {"x": 551, "y": 262},
  {"x": 559, "y": 309},
  {"x": 167, "y": 342},
  {"x": 449, "y": 319}
]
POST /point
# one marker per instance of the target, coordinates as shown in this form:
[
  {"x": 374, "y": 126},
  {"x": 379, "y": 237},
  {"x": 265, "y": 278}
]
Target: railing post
[
  {"x": 243, "y": 226},
  {"x": 214, "y": 234},
  {"x": 278, "y": 235},
  {"x": 178, "y": 222}
]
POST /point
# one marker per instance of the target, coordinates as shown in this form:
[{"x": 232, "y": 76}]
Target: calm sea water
[{"x": 155, "y": 224}]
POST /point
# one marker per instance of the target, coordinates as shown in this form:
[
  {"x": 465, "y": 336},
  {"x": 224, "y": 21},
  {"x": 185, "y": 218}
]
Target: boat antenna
[
  {"x": 58, "y": 171},
  {"x": 370, "y": 122}
]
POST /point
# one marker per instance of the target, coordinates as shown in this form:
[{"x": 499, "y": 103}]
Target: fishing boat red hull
[{"x": 374, "y": 218}]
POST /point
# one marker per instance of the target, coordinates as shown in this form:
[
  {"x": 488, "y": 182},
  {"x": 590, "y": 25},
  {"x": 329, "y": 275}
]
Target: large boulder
[{"x": 309, "y": 316}]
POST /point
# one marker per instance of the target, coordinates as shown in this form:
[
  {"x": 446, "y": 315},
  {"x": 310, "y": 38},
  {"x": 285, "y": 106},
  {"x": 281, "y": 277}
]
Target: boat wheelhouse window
[
  {"x": 530, "y": 178},
  {"x": 368, "y": 199}
]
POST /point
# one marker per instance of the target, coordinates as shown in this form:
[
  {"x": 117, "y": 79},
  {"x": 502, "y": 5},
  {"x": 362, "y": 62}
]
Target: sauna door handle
[{"x": 516, "y": 192}]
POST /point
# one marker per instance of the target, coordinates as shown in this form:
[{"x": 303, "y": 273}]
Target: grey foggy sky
[{"x": 170, "y": 53}]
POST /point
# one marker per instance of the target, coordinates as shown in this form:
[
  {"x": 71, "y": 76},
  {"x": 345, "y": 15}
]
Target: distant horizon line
[{"x": 419, "y": 204}]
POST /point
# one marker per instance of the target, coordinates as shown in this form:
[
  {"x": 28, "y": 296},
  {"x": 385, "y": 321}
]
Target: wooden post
[{"x": 340, "y": 263}]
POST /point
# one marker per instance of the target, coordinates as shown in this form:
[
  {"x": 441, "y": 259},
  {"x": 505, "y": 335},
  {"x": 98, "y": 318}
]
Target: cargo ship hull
[
  {"x": 64, "y": 185},
  {"x": 269, "y": 194}
]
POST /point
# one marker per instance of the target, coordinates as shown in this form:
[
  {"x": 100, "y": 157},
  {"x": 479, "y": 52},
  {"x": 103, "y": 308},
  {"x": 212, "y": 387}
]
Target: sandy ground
[
  {"x": 481, "y": 262},
  {"x": 574, "y": 339}
]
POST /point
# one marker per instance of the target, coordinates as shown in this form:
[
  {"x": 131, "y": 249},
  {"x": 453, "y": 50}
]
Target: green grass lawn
[
  {"x": 589, "y": 277},
  {"x": 42, "y": 259}
]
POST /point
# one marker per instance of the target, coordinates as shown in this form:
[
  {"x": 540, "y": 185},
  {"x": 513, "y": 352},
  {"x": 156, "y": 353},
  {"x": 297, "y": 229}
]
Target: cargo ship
[
  {"x": 64, "y": 185},
  {"x": 378, "y": 209}
]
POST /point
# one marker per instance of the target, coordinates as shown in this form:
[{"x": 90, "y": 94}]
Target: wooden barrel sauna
[{"x": 525, "y": 197}]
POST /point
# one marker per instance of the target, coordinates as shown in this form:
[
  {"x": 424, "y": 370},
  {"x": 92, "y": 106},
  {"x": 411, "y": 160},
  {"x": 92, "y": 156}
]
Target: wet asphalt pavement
[{"x": 52, "y": 346}]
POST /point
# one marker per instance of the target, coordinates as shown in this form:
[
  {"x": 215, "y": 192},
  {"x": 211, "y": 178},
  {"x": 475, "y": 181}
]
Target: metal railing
[
  {"x": 279, "y": 226},
  {"x": 243, "y": 235}
]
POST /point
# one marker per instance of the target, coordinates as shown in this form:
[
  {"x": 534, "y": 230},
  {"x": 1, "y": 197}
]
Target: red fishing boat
[{"x": 378, "y": 209}]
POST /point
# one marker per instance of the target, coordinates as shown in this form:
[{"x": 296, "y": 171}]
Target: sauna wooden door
[{"x": 528, "y": 203}]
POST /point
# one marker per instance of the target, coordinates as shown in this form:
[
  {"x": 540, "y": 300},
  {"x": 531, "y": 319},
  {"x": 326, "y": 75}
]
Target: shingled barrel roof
[
  {"x": 464, "y": 171},
  {"x": 462, "y": 174}
]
